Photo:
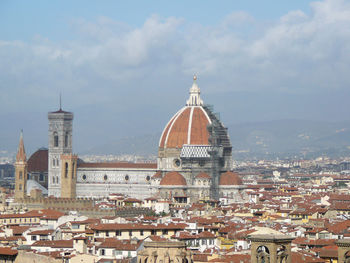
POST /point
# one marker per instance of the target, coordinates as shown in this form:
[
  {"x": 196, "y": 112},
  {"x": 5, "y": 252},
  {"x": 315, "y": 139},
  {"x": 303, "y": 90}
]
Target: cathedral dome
[
  {"x": 186, "y": 137},
  {"x": 188, "y": 125},
  {"x": 173, "y": 178},
  {"x": 38, "y": 161},
  {"x": 230, "y": 178}
]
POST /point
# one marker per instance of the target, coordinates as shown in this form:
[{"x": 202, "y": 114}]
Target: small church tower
[
  {"x": 20, "y": 171},
  {"x": 68, "y": 175},
  {"x": 60, "y": 143}
]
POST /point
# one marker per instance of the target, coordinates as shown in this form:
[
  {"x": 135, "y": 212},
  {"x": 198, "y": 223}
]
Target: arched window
[
  {"x": 20, "y": 175},
  {"x": 53, "y": 179},
  {"x": 73, "y": 164},
  {"x": 66, "y": 171},
  {"x": 20, "y": 187},
  {"x": 66, "y": 140},
  {"x": 55, "y": 139}
]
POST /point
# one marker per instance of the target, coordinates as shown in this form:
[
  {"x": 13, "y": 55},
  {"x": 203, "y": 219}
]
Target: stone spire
[
  {"x": 195, "y": 98},
  {"x": 21, "y": 154},
  {"x": 21, "y": 171}
]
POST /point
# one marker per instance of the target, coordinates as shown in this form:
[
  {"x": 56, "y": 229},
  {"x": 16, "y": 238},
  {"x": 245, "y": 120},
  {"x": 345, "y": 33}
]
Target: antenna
[{"x": 60, "y": 101}]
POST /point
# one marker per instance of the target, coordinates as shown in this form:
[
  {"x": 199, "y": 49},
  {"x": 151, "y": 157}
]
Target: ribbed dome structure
[
  {"x": 230, "y": 178},
  {"x": 185, "y": 139},
  {"x": 173, "y": 178},
  {"x": 187, "y": 126}
]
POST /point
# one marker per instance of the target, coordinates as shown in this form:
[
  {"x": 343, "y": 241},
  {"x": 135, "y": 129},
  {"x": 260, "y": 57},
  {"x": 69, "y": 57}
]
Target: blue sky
[
  {"x": 22, "y": 20},
  {"x": 125, "y": 67}
]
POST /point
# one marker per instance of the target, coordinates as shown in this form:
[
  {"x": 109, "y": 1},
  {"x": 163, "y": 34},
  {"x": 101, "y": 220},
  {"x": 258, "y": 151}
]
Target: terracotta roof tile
[
  {"x": 230, "y": 178},
  {"x": 104, "y": 227},
  {"x": 177, "y": 135},
  {"x": 177, "y": 132},
  {"x": 203, "y": 175},
  {"x": 38, "y": 161},
  {"x": 173, "y": 178},
  {"x": 199, "y": 132},
  {"x": 7, "y": 251},
  {"x": 54, "y": 243}
]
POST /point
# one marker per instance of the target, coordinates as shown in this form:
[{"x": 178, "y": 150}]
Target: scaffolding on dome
[{"x": 219, "y": 143}]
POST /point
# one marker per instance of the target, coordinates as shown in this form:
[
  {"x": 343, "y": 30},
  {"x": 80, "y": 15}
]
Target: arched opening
[
  {"x": 66, "y": 139},
  {"x": 55, "y": 139},
  {"x": 20, "y": 175},
  {"x": 66, "y": 171},
  {"x": 73, "y": 165},
  {"x": 282, "y": 254},
  {"x": 347, "y": 257},
  {"x": 263, "y": 254}
]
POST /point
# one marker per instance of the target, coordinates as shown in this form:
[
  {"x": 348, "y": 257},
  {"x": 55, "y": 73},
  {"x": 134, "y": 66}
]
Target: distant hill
[
  {"x": 283, "y": 139},
  {"x": 289, "y": 138}
]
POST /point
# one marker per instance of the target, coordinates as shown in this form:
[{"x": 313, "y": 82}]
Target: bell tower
[
  {"x": 271, "y": 248},
  {"x": 21, "y": 171},
  {"x": 60, "y": 143},
  {"x": 68, "y": 175}
]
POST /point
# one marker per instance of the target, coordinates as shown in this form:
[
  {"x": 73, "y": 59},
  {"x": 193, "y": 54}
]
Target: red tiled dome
[
  {"x": 157, "y": 175},
  {"x": 173, "y": 178},
  {"x": 230, "y": 178},
  {"x": 38, "y": 161},
  {"x": 203, "y": 175},
  {"x": 187, "y": 126}
]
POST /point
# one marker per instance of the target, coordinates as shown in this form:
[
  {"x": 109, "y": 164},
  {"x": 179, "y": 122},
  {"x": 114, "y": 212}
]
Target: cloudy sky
[{"x": 124, "y": 67}]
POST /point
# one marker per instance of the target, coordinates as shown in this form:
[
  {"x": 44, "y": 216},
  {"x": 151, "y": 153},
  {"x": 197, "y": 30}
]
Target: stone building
[
  {"x": 194, "y": 161},
  {"x": 164, "y": 251},
  {"x": 20, "y": 171},
  {"x": 271, "y": 248},
  {"x": 60, "y": 143}
]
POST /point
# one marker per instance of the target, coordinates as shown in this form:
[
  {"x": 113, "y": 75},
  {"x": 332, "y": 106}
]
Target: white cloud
[{"x": 300, "y": 52}]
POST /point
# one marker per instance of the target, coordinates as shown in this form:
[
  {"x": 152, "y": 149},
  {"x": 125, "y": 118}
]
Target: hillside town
[
  {"x": 194, "y": 204},
  {"x": 174, "y": 131},
  {"x": 311, "y": 209}
]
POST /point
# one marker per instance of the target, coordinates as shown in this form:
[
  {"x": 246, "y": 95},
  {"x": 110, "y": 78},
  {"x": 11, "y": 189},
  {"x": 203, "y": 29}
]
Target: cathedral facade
[{"x": 194, "y": 161}]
